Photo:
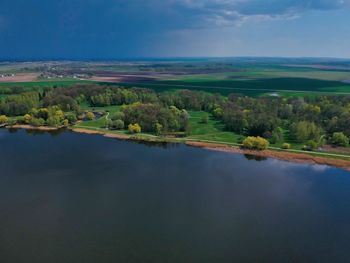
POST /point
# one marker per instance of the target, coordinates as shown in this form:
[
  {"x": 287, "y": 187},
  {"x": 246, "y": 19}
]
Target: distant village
[{"x": 6, "y": 75}]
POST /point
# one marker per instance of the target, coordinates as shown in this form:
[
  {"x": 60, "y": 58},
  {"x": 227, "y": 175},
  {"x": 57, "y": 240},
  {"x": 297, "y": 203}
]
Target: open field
[
  {"x": 21, "y": 77},
  {"x": 246, "y": 76}
]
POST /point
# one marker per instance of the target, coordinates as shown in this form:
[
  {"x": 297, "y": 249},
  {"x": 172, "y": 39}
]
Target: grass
[
  {"x": 98, "y": 123},
  {"x": 213, "y": 130}
]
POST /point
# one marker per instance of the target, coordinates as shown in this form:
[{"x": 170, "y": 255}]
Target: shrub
[
  {"x": 286, "y": 146},
  {"x": 37, "y": 122},
  {"x": 116, "y": 125},
  {"x": 158, "y": 129},
  {"x": 118, "y": 116},
  {"x": 71, "y": 117},
  {"x": 54, "y": 121},
  {"x": 90, "y": 116},
  {"x": 27, "y": 118},
  {"x": 134, "y": 128},
  {"x": 255, "y": 143},
  {"x": 3, "y": 119},
  {"x": 20, "y": 119},
  {"x": 340, "y": 139},
  {"x": 65, "y": 122},
  {"x": 310, "y": 145}
]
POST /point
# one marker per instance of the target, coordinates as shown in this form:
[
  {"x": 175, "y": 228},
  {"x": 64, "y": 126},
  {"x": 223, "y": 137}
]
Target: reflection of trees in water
[
  {"x": 12, "y": 130},
  {"x": 164, "y": 145},
  {"x": 53, "y": 133},
  {"x": 251, "y": 157}
]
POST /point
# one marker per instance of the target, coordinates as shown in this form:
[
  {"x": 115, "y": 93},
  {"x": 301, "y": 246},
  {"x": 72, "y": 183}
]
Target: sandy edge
[
  {"x": 30, "y": 127},
  {"x": 284, "y": 156},
  {"x": 105, "y": 134}
]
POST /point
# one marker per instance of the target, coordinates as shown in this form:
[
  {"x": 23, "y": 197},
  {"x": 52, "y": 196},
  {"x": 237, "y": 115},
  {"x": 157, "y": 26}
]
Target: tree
[
  {"x": 116, "y": 125},
  {"x": 53, "y": 121},
  {"x": 90, "y": 116},
  {"x": 134, "y": 128},
  {"x": 277, "y": 136},
  {"x": 37, "y": 122},
  {"x": 3, "y": 119},
  {"x": 27, "y": 118},
  {"x": 304, "y": 130},
  {"x": 218, "y": 112},
  {"x": 255, "y": 143},
  {"x": 158, "y": 129},
  {"x": 310, "y": 145},
  {"x": 340, "y": 139},
  {"x": 71, "y": 117},
  {"x": 118, "y": 116}
]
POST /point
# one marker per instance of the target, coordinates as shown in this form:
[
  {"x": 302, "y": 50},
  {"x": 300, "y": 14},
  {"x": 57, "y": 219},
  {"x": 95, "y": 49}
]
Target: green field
[{"x": 251, "y": 86}]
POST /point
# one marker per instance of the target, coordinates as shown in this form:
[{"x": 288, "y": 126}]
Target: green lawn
[
  {"x": 100, "y": 122},
  {"x": 214, "y": 130}
]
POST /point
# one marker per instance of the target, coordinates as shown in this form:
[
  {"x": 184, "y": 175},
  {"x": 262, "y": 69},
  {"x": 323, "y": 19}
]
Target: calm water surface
[{"x": 82, "y": 198}]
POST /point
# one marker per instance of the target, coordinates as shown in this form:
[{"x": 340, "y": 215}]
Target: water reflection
[
  {"x": 252, "y": 157},
  {"x": 82, "y": 198}
]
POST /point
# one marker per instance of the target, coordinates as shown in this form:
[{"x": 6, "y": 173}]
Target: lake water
[{"x": 81, "y": 198}]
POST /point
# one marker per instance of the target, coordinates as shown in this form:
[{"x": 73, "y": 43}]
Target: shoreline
[
  {"x": 303, "y": 158},
  {"x": 30, "y": 127}
]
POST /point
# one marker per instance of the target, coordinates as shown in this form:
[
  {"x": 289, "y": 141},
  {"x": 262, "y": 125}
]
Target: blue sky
[{"x": 103, "y": 29}]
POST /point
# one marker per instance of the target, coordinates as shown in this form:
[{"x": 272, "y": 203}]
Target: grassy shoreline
[
  {"x": 296, "y": 156},
  {"x": 337, "y": 160}
]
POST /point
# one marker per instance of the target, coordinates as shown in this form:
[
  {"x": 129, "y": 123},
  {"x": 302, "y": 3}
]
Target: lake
[{"x": 69, "y": 197}]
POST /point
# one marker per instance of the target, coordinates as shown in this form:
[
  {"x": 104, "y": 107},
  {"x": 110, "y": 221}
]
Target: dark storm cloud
[{"x": 107, "y": 28}]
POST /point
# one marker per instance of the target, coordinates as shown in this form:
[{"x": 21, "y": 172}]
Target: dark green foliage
[
  {"x": 340, "y": 139},
  {"x": 116, "y": 125},
  {"x": 148, "y": 115},
  {"x": 71, "y": 117}
]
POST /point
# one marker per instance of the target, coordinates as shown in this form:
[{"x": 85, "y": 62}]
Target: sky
[{"x": 112, "y": 29}]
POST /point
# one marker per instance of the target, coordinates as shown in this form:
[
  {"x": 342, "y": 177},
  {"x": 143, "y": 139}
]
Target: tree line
[{"x": 311, "y": 120}]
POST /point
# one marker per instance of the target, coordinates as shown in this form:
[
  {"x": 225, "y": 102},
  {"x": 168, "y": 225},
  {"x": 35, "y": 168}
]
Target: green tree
[
  {"x": 116, "y": 125},
  {"x": 37, "y": 122},
  {"x": 158, "y": 129},
  {"x": 340, "y": 139},
  {"x": 54, "y": 121},
  {"x": 71, "y": 117},
  {"x": 310, "y": 145},
  {"x": 304, "y": 130},
  {"x": 119, "y": 115}
]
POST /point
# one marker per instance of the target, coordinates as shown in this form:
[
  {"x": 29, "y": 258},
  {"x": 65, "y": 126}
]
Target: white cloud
[{"x": 236, "y": 12}]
